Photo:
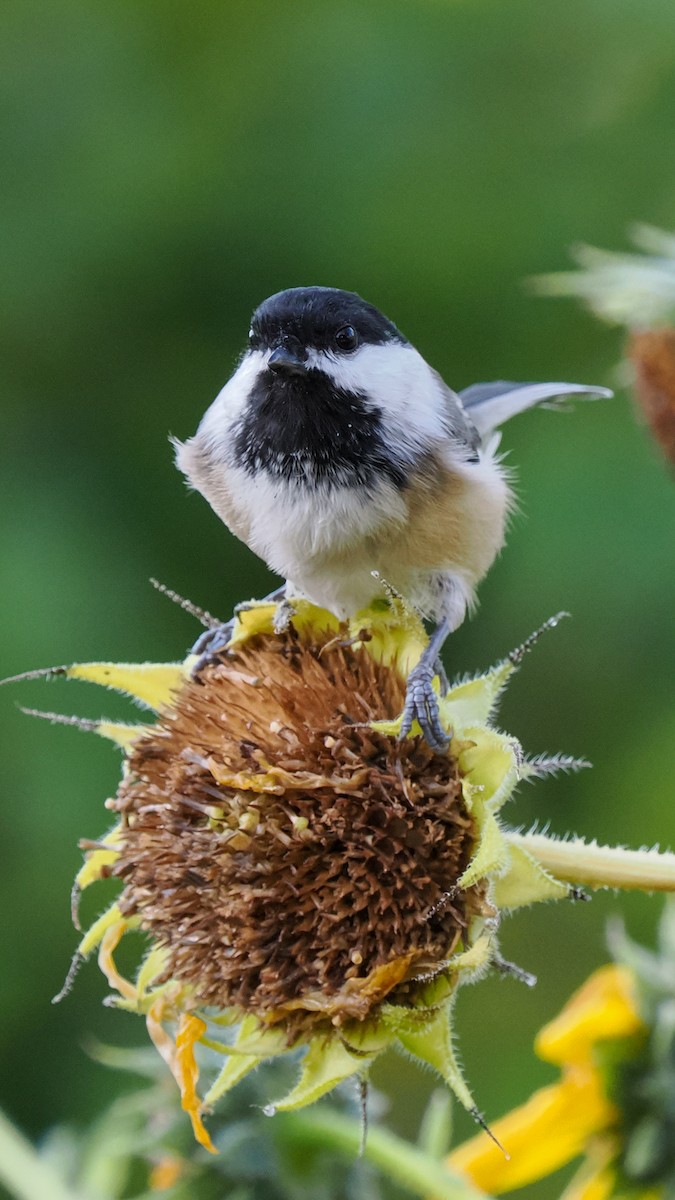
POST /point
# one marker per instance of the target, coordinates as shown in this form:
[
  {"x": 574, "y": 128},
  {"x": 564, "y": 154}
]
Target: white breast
[{"x": 328, "y": 540}]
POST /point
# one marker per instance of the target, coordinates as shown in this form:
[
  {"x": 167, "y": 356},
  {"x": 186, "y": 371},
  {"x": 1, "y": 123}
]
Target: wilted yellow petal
[
  {"x": 549, "y": 1130},
  {"x": 276, "y": 780},
  {"x": 604, "y": 1007},
  {"x": 393, "y": 728},
  {"x": 156, "y": 1014},
  {"x": 166, "y": 1173},
  {"x": 190, "y": 1029},
  {"x": 152, "y": 684},
  {"x": 109, "y": 943}
]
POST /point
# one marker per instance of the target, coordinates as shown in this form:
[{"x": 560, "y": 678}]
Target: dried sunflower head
[{"x": 303, "y": 877}]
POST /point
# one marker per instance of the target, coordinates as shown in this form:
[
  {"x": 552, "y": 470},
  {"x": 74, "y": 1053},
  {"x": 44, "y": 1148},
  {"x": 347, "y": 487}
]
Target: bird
[{"x": 345, "y": 462}]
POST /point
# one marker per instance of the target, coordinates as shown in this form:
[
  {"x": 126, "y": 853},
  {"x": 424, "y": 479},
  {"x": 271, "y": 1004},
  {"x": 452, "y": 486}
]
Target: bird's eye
[{"x": 347, "y": 338}]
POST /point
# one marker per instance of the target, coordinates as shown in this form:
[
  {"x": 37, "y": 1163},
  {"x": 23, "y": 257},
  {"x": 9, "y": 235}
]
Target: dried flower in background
[{"x": 638, "y": 292}]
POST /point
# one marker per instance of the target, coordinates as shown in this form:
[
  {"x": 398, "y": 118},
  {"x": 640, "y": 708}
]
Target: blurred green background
[{"x": 167, "y": 166}]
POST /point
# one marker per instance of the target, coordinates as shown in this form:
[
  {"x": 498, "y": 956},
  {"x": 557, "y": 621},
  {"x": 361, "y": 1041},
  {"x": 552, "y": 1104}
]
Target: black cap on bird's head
[{"x": 319, "y": 318}]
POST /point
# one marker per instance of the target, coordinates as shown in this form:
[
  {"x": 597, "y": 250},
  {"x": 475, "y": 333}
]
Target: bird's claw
[
  {"x": 282, "y": 616},
  {"x": 210, "y": 644},
  {"x": 421, "y": 705},
  {"x": 217, "y": 638}
]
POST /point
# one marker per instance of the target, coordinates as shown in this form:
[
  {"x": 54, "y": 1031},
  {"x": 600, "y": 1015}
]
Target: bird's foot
[
  {"x": 442, "y": 677},
  {"x": 210, "y": 644},
  {"x": 282, "y": 616},
  {"x": 217, "y": 638},
  {"x": 421, "y": 705}
]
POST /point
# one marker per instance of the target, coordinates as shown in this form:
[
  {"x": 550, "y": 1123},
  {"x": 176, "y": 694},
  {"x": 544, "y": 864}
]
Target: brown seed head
[
  {"x": 294, "y": 863},
  {"x": 652, "y": 354}
]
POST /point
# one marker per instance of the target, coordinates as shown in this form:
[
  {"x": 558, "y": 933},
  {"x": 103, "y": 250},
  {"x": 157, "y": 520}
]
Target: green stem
[
  {"x": 401, "y": 1162},
  {"x": 22, "y": 1171},
  {"x": 576, "y": 861}
]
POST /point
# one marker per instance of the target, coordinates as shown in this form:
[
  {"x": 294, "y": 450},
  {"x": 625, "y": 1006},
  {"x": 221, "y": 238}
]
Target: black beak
[{"x": 287, "y": 361}]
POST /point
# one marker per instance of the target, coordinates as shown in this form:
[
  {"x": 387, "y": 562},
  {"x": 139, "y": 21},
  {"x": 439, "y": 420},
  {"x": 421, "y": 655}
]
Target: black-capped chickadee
[{"x": 342, "y": 459}]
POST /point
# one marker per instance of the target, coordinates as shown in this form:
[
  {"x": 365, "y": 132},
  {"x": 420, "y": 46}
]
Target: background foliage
[{"x": 166, "y": 167}]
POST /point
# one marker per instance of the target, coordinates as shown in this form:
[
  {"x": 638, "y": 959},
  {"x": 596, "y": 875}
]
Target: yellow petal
[
  {"x": 604, "y": 1007},
  {"x": 308, "y": 618},
  {"x": 250, "y": 621},
  {"x": 596, "y": 1180},
  {"x": 122, "y": 735},
  {"x": 255, "y": 1039},
  {"x": 396, "y": 634},
  {"x": 549, "y": 1130},
  {"x": 97, "y": 860},
  {"x": 257, "y": 617},
  {"x": 190, "y": 1030},
  {"x": 153, "y": 964},
  {"x": 489, "y": 761},
  {"x": 95, "y": 933},
  {"x": 152, "y": 684},
  {"x": 525, "y": 881},
  {"x": 471, "y": 702},
  {"x": 393, "y": 728}
]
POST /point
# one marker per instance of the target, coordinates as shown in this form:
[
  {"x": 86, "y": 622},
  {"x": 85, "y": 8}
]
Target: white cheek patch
[{"x": 396, "y": 380}]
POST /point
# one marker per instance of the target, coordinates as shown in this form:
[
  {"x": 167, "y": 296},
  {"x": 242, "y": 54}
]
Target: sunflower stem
[
  {"x": 436, "y": 1129},
  {"x": 401, "y": 1162},
  {"x": 590, "y": 865},
  {"x": 23, "y": 1172}
]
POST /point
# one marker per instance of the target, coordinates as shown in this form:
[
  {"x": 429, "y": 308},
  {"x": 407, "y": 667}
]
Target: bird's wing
[
  {"x": 459, "y": 424},
  {"x": 489, "y": 405}
]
